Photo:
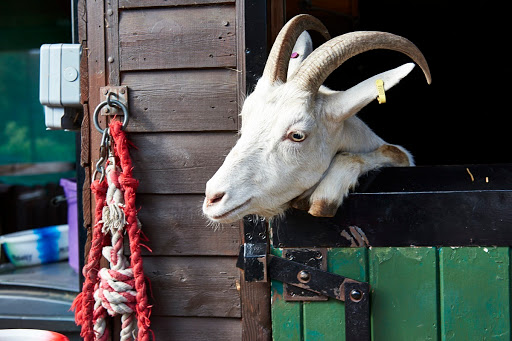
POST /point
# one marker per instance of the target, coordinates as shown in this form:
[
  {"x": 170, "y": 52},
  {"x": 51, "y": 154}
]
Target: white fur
[{"x": 266, "y": 171}]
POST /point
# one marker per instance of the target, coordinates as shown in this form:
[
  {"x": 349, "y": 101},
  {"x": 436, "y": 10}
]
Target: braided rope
[
  {"x": 115, "y": 291},
  {"x": 129, "y": 186},
  {"x": 120, "y": 290}
]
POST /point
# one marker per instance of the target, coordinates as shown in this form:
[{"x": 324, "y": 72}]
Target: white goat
[{"x": 300, "y": 143}]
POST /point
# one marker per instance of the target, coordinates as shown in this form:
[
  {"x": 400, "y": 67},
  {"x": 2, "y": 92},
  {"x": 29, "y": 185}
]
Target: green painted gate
[
  {"x": 456, "y": 290},
  {"x": 417, "y": 293}
]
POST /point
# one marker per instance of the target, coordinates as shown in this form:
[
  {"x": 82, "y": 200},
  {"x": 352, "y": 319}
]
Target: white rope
[{"x": 113, "y": 294}]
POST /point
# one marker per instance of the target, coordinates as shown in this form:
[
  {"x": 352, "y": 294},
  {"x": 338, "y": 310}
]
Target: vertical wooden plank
[
  {"x": 404, "y": 293},
  {"x": 96, "y": 73},
  {"x": 255, "y": 296},
  {"x": 112, "y": 41},
  {"x": 286, "y": 316},
  {"x": 326, "y": 320},
  {"x": 240, "y": 56},
  {"x": 475, "y": 293}
]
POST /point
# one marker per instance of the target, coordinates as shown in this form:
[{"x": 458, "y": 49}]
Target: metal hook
[
  {"x": 110, "y": 102},
  {"x": 104, "y": 150}
]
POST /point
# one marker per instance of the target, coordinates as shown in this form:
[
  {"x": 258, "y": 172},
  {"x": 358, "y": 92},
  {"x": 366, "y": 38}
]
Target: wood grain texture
[
  {"x": 96, "y": 78},
  {"x": 196, "y": 328},
  {"x": 255, "y": 296},
  {"x": 194, "y": 286},
  {"x": 179, "y": 37},
  {"x": 175, "y": 226},
  {"x": 179, "y": 162},
  {"x": 256, "y": 318},
  {"x": 167, "y": 3},
  {"x": 182, "y": 100},
  {"x": 112, "y": 41}
]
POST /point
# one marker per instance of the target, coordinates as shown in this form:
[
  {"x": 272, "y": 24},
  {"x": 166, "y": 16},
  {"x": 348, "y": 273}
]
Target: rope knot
[{"x": 116, "y": 291}]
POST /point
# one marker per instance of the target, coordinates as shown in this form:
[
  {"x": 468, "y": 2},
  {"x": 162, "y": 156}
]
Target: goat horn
[
  {"x": 325, "y": 59},
  {"x": 277, "y": 62}
]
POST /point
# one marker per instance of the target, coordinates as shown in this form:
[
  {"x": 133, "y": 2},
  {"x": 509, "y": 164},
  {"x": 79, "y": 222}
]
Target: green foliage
[{"x": 23, "y": 135}]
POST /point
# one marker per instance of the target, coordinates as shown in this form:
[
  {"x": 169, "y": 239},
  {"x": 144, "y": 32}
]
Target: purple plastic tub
[{"x": 69, "y": 186}]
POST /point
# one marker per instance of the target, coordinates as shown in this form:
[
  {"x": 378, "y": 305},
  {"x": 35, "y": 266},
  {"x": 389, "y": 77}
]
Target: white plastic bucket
[
  {"x": 36, "y": 246},
  {"x": 30, "y": 335}
]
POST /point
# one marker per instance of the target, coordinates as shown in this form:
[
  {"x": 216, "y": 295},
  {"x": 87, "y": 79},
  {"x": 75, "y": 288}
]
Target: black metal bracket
[
  {"x": 252, "y": 258},
  {"x": 316, "y": 258},
  {"x": 312, "y": 281},
  {"x": 304, "y": 271}
]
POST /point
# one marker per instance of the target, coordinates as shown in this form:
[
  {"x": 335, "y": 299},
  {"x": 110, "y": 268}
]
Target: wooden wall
[{"x": 182, "y": 64}]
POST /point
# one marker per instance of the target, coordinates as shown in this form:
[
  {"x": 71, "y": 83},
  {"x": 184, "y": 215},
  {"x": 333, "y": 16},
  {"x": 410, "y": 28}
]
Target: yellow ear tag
[{"x": 380, "y": 89}]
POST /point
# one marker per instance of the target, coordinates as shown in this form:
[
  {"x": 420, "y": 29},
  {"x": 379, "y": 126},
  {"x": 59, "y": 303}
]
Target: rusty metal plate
[{"x": 119, "y": 93}]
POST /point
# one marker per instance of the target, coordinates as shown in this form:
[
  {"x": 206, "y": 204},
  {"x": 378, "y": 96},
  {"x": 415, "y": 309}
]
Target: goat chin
[{"x": 265, "y": 213}]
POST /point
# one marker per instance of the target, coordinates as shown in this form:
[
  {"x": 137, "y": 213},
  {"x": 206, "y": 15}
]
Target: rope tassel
[{"x": 121, "y": 289}]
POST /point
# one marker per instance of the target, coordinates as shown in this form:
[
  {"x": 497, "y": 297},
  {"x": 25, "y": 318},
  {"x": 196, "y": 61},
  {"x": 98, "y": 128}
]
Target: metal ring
[{"x": 116, "y": 103}]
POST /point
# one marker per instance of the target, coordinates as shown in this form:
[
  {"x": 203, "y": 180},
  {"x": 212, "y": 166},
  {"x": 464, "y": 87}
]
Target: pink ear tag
[{"x": 294, "y": 55}]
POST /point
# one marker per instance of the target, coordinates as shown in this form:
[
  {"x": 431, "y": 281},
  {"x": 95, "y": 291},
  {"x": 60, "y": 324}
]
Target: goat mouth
[{"x": 232, "y": 211}]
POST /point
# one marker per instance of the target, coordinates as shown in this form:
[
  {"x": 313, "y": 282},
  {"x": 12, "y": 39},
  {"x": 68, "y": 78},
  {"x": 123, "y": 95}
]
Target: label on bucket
[{"x": 43, "y": 245}]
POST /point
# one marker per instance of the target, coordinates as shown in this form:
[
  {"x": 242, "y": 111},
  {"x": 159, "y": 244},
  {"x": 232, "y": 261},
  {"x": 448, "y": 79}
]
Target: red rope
[
  {"x": 129, "y": 186},
  {"x": 85, "y": 315},
  {"x": 84, "y": 302}
]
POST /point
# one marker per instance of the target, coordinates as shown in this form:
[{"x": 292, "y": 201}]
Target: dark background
[{"x": 462, "y": 117}]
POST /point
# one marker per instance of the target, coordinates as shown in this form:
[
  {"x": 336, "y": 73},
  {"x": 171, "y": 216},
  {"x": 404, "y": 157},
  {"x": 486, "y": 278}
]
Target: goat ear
[
  {"x": 341, "y": 105},
  {"x": 303, "y": 47}
]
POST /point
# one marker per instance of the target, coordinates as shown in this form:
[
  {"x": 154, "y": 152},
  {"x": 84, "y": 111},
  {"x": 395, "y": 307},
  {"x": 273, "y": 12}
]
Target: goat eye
[{"x": 296, "y": 136}]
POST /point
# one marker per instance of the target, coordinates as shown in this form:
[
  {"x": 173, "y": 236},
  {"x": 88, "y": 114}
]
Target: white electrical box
[{"x": 59, "y": 85}]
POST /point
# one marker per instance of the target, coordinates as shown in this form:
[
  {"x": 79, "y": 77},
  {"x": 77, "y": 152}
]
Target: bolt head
[
  {"x": 303, "y": 276},
  {"x": 356, "y": 295}
]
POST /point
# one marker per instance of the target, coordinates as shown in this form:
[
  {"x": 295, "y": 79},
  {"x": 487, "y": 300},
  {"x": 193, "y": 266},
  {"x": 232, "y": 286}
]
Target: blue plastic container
[{"x": 36, "y": 246}]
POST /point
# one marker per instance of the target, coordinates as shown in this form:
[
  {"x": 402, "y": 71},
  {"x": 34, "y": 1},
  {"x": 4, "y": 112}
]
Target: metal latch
[
  {"x": 304, "y": 271},
  {"x": 316, "y": 258}
]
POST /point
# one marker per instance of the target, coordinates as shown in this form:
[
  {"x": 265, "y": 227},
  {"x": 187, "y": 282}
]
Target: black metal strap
[
  {"x": 357, "y": 311},
  {"x": 259, "y": 266},
  {"x": 355, "y": 294}
]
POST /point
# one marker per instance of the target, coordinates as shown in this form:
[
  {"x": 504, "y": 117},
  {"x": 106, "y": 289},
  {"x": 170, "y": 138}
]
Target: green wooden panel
[
  {"x": 404, "y": 293},
  {"x": 326, "y": 320},
  {"x": 286, "y": 316},
  {"x": 475, "y": 293}
]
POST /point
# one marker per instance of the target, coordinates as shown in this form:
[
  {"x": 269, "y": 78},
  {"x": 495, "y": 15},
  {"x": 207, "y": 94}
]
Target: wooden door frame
[{"x": 262, "y": 22}]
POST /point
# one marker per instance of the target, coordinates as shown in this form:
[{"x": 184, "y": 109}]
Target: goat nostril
[{"x": 214, "y": 199}]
